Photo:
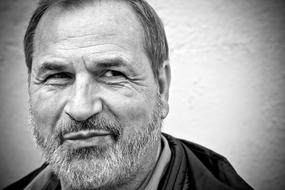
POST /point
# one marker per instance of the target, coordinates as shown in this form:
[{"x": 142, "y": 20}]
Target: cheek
[
  {"x": 46, "y": 109},
  {"x": 134, "y": 113}
]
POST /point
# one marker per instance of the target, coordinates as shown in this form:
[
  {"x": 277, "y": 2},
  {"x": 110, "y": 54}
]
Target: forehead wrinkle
[
  {"x": 91, "y": 36},
  {"x": 124, "y": 15},
  {"x": 89, "y": 44},
  {"x": 78, "y": 36},
  {"x": 90, "y": 39},
  {"x": 52, "y": 16}
]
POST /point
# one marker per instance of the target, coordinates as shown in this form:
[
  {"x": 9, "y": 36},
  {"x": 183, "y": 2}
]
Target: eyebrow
[
  {"x": 112, "y": 62},
  {"x": 103, "y": 63},
  {"x": 50, "y": 66}
]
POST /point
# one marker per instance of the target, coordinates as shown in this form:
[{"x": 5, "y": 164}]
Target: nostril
[
  {"x": 77, "y": 119},
  {"x": 82, "y": 112}
]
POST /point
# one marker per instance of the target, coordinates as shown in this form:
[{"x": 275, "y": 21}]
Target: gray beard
[{"x": 103, "y": 167}]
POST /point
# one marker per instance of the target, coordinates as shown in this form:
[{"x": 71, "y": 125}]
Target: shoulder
[
  {"x": 204, "y": 154},
  {"x": 202, "y": 160},
  {"x": 23, "y": 182}
]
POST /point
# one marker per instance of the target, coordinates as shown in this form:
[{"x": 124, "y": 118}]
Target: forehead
[{"x": 100, "y": 21}]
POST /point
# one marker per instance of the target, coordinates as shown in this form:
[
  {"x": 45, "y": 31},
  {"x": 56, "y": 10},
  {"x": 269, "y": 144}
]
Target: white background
[{"x": 227, "y": 89}]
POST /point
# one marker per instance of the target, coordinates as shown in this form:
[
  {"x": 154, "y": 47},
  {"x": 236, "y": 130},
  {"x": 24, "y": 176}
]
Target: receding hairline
[{"x": 61, "y": 9}]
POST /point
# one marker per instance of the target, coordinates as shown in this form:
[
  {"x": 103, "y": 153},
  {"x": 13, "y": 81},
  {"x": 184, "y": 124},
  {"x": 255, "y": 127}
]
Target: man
[{"x": 98, "y": 84}]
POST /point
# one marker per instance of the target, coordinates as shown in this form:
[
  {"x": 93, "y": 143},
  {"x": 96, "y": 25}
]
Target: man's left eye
[{"x": 112, "y": 73}]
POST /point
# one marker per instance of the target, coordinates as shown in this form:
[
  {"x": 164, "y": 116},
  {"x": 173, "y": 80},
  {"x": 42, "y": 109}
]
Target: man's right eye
[{"x": 58, "y": 79}]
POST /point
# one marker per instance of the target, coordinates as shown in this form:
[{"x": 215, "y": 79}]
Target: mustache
[{"x": 95, "y": 122}]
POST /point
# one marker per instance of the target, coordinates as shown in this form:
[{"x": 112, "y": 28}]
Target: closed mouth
[{"x": 85, "y": 134}]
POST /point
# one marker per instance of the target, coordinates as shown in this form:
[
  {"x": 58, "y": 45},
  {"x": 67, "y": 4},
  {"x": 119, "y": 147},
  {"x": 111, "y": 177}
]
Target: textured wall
[{"x": 227, "y": 90}]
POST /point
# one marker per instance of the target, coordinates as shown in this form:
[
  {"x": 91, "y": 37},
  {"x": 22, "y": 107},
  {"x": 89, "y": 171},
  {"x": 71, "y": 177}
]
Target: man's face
[{"x": 95, "y": 106}]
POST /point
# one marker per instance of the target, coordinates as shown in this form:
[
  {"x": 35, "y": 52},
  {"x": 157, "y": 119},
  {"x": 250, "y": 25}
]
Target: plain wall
[{"x": 227, "y": 89}]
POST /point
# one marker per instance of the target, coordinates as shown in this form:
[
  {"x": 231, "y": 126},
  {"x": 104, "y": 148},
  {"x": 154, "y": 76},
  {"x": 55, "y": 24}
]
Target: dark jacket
[
  {"x": 191, "y": 167},
  {"x": 195, "y": 167}
]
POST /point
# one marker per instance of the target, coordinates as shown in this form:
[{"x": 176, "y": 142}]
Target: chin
[{"x": 92, "y": 167}]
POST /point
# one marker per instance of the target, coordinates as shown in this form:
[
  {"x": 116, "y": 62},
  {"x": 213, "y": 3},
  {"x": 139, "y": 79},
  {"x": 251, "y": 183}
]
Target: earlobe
[{"x": 164, "y": 77}]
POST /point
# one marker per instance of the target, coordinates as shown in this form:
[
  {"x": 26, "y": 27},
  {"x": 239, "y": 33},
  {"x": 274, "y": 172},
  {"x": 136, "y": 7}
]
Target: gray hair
[{"x": 155, "y": 42}]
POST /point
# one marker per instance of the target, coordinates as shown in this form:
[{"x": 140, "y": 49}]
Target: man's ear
[
  {"x": 29, "y": 83},
  {"x": 163, "y": 78}
]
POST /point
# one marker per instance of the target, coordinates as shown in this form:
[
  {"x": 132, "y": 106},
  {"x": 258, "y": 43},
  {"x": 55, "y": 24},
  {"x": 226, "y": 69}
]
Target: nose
[{"x": 83, "y": 102}]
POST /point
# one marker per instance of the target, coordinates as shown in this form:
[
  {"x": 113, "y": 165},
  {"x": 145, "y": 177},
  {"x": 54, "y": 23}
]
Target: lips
[{"x": 85, "y": 134}]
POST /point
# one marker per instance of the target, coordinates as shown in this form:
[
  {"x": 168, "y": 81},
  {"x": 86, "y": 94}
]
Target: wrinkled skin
[{"x": 90, "y": 73}]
